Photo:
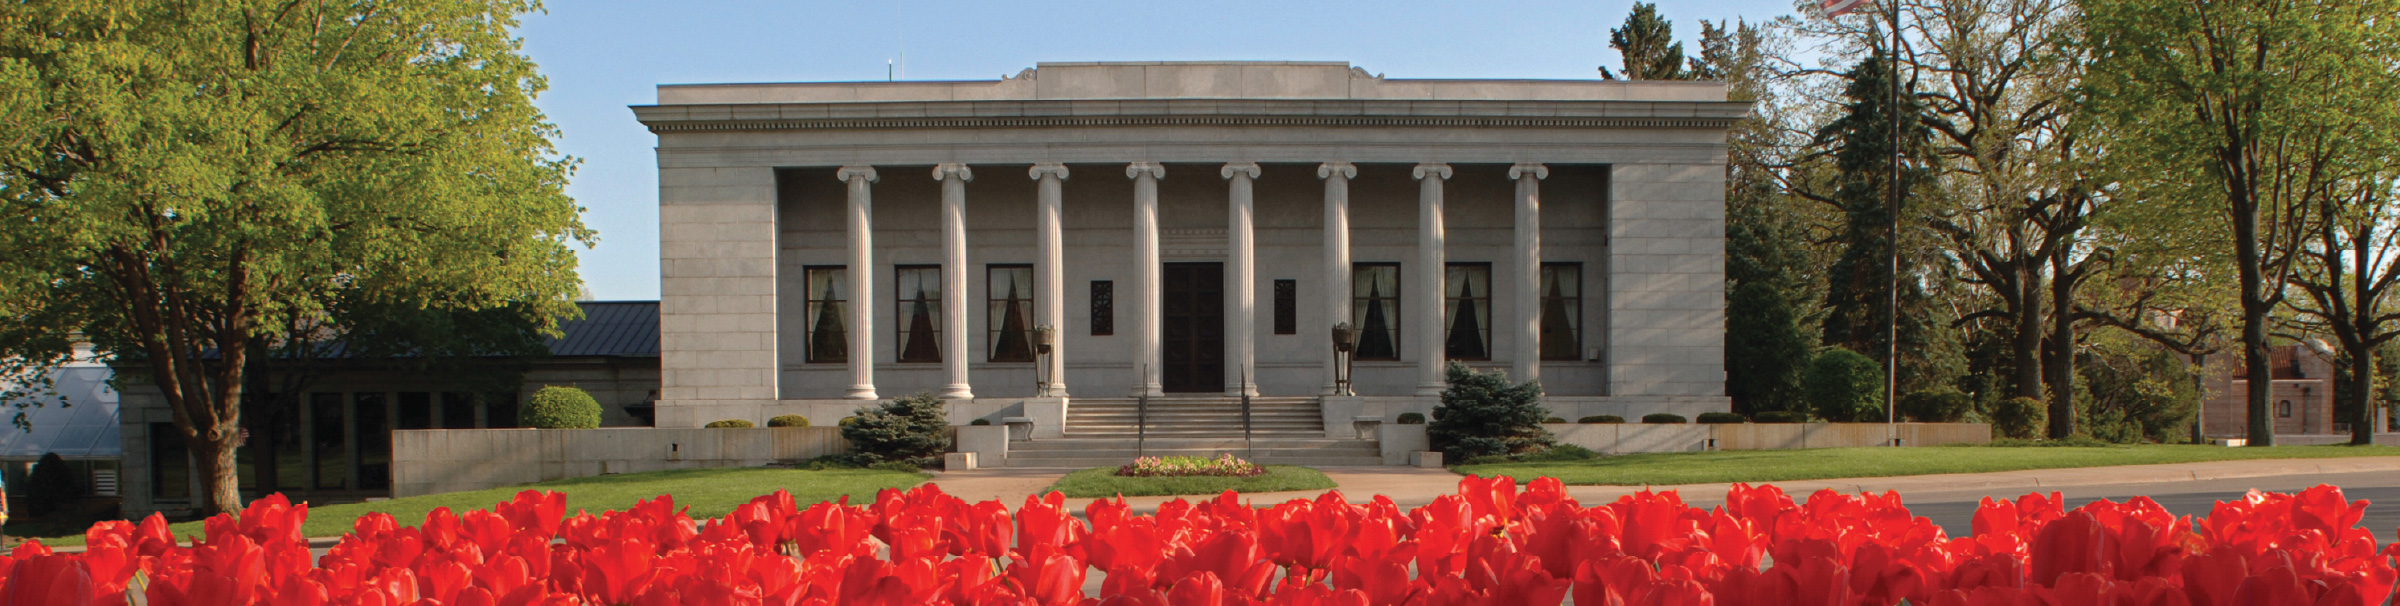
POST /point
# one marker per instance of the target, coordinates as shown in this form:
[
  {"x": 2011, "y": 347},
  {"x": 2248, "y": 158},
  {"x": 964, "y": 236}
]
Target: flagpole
[{"x": 1891, "y": 311}]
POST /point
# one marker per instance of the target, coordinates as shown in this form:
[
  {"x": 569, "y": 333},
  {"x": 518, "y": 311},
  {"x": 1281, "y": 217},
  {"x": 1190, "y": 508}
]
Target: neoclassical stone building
[{"x": 1187, "y": 229}]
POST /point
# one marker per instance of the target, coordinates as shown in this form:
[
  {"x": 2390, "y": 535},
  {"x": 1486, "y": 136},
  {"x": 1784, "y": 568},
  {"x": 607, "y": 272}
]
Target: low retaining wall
[
  {"x": 1618, "y": 438},
  {"x": 449, "y": 460}
]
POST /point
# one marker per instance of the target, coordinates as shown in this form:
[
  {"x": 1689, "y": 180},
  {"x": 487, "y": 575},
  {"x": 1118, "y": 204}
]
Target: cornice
[{"x": 1189, "y": 113}]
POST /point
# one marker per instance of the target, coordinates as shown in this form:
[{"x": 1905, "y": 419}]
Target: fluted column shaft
[
  {"x": 861, "y": 311},
  {"x": 1337, "y": 177},
  {"x": 1527, "y": 363},
  {"x": 1149, "y": 298},
  {"x": 1430, "y": 273},
  {"x": 1049, "y": 267},
  {"x": 1242, "y": 291},
  {"x": 955, "y": 351}
]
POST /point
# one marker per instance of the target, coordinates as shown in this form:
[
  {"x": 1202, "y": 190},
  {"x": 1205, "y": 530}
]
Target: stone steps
[
  {"x": 1078, "y": 453},
  {"x": 1195, "y": 416}
]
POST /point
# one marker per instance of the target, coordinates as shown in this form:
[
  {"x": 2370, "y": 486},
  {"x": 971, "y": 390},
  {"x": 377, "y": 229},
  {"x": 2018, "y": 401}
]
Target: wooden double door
[{"x": 1193, "y": 330}]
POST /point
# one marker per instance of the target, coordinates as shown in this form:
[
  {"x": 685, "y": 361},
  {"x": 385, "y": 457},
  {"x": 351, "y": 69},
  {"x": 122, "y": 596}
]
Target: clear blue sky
[{"x": 603, "y": 55}]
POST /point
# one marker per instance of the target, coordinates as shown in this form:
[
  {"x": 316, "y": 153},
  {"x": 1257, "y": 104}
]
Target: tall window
[
  {"x": 920, "y": 317},
  {"x": 1467, "y": 311},
  {"x": 170, "y": 463},
  {"x": 1287, "y": 307},
  {"x": 828, "y": 305},
  {"x": 1008, "y": 305},
  {"x": 458, "y": 410},
  {"x": 374, "y": 441},
  {"x": 1104, "y": 308},
  {"x": 1562, "y": 311},
  {"x": 330, "y": 441},
  {"x": 1375, "y": 309},
  {"x": 500, "y": 410}
]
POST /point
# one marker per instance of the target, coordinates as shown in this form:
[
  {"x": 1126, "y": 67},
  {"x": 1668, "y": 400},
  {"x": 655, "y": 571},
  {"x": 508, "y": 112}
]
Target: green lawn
[
  {"x": 708, "y": 492},
  {"x": 1103, "y": 482},
  {"x": 1781, "y": 465}
]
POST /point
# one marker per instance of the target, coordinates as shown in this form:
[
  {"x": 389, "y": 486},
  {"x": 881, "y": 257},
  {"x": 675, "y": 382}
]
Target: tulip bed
[{"x": 1487, "y": 544}]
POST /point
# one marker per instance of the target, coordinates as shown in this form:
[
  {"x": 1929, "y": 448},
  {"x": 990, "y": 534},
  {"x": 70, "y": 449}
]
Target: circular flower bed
[{"x": 1224, "y": 466}]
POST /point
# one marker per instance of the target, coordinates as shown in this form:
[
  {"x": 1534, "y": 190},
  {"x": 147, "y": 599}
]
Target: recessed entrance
[{"x": 1194, "y": 330}]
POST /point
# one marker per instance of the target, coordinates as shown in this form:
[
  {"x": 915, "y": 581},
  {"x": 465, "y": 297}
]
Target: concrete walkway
[{"x": 1409, "y": 486}]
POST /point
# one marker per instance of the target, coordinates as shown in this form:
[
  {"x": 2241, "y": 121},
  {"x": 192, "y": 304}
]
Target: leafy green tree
[
  {"x": 1482, "y": 414},
  {"x": 2138, "y": 393},
  {"x": 1768, "y": 277},
  {"x": 182, "y": 181},
  {"x": 2348, "y": 268},
  {"x": 1845, "y": 386},
  {"x": 906, "y": 429},
  {"x": 1647, "y": 45},
  {"x": 2238, "y": 119}
]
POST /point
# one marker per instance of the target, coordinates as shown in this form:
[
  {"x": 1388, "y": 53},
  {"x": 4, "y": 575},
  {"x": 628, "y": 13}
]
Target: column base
[
  {"x": 1152, "y": 390},
  {"x": 1431, "y": 389},
  {"x": 958, "y": 391},
  {"x": 861, "y": 392},
  {"x": 1057, "y": 390},
  {"x": 1243, "y": 390}
]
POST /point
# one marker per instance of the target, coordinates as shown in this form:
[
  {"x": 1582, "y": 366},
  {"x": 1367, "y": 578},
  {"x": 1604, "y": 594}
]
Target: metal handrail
[
  {"x": 1141, "y": 413},
  {"x": 1245, "y": 389}
]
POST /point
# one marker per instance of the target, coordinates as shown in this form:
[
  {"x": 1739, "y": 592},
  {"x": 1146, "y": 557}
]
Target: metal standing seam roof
[
  {"x": 86, "y": 429},
  {"x": 610, "y": 329}
]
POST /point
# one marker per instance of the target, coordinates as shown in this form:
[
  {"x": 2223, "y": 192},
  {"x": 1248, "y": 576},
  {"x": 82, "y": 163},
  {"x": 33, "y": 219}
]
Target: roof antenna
[{"x": 899, "y": 19}]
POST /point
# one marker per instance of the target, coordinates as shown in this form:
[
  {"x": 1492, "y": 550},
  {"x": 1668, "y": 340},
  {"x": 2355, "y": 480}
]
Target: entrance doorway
[{"x": 1194, "y": 330}]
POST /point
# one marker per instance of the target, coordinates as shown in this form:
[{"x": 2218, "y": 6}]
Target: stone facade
[
  {"x": 1272, "y": 174},
  {"x": 2301, "y": 400}
]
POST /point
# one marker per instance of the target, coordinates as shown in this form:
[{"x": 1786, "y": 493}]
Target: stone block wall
[{"x": 717, "y": 306}]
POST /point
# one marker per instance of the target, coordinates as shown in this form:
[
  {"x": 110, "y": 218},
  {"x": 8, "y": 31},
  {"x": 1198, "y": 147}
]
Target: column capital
[
  {"x": 1437, "y": 169},
  {"x": 947, "y": 170},
  {"x": 1329, "y": 169},
  {"x": 1529, "y": 168},
  {"x": 1047, "y": 169},
  {"x": 1250, "y": 168},
  {"x": 855, "y": 171},
  {"x": 1137, "y": 169}
]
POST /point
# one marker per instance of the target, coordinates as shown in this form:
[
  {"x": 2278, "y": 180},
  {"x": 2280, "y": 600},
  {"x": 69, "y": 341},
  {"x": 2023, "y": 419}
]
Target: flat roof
[{"x": 1192, "y": 80}]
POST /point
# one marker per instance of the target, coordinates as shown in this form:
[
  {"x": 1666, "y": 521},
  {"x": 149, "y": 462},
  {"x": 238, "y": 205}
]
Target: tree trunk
[
  {"x": 2062, "y": 337},
  {"x": 2262, "y": 379},
  {"x": 219, "y": 483},
  {"x": 2026, "y": 353},
  {"x": 2362, "y": 393}
]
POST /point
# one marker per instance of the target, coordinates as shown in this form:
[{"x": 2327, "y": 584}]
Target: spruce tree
[
  {"x": 1483, "y": 414},
  {"x": 1859, "y": 282}
]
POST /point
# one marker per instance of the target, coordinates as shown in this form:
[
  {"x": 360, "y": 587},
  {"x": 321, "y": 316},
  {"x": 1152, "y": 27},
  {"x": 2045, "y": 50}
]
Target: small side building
[
  {"x": 77, "y": 420},
  {"x": 2301, "y": 400},
  {"x": 331, "y": 441}
]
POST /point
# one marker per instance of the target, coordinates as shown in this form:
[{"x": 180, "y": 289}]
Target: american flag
[{"x": 1836, "y": 8}]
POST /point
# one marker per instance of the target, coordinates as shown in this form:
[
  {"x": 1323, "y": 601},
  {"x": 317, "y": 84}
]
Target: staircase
[{"x": 1103, "y": 432}]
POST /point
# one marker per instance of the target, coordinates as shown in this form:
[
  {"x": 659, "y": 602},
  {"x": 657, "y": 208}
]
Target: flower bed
[
  {"x": 1487, "y": 544},
  {"x": 1224, "y": 466}
]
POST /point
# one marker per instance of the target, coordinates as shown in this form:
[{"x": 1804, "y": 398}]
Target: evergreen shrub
[
  {"x": 1482, "y": 414},
  {"x": 1939, "y": 405},
  {"x": 1781, "y": 416},
  {"x": 1720, "y": 418},
  {"x": 730, "y": 424},
  {"x": 1844, "y": 386},
  {"x": 1600, "y": 419},
  {"x": 1410, "y": 418},
  {"x": 910, "y": 429},
  {"x": 1664, "y": 418},
  {"x": 51, "y": 486},
  {"x": 2020, "y": 418},
  {"x": 787, "y": 421},
  {"x": 562, "y": 407}
]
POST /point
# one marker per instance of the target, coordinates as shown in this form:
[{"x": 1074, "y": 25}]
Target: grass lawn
[
  {"x": 1780, "y": 465},
  {"x": 708, "y": 492},
  {"x": 1102, "y": 482}
]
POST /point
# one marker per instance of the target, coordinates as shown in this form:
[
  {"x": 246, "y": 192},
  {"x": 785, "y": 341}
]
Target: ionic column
[
  {"x": 1430, "y": 272},
  {"x": 1242, "y": 297},
  {"x": 1049, "y": 283},
  {"x": 1527, "y": 363},
  {"x": 955, "y": 352},
  {"x": 1337, "y": 176},
  {"x": 1148, "y": 296},
  {"x": 861, "y": 314}
]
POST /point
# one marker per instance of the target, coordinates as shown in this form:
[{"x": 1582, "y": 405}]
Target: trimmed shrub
[
  {"x": 908, "y": 429},
  {"x": 980, "y": 422},
  {"x": 1844, "y": 386},
  {"x": 1552, "y": 420},
  {"x": 847, "y": 421},
  {"x": 2021, "y": 418},
  {"x": 730, "y": 424},
  {"x": 1781, "y": 416},
  {"x": 1483, "y": 414},
  {"x": 51, "y": 486},
  {"x": 1600, "y": 419},
  {"x": 1722, "y": 418},
  {"x": 1939, "y": 405},
  {"x": 562, "y": 407},
  {"x": 1663, "y": 418},
  {"x": 1410, "y": 418},
  {"x": 787, "y": 421}
]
